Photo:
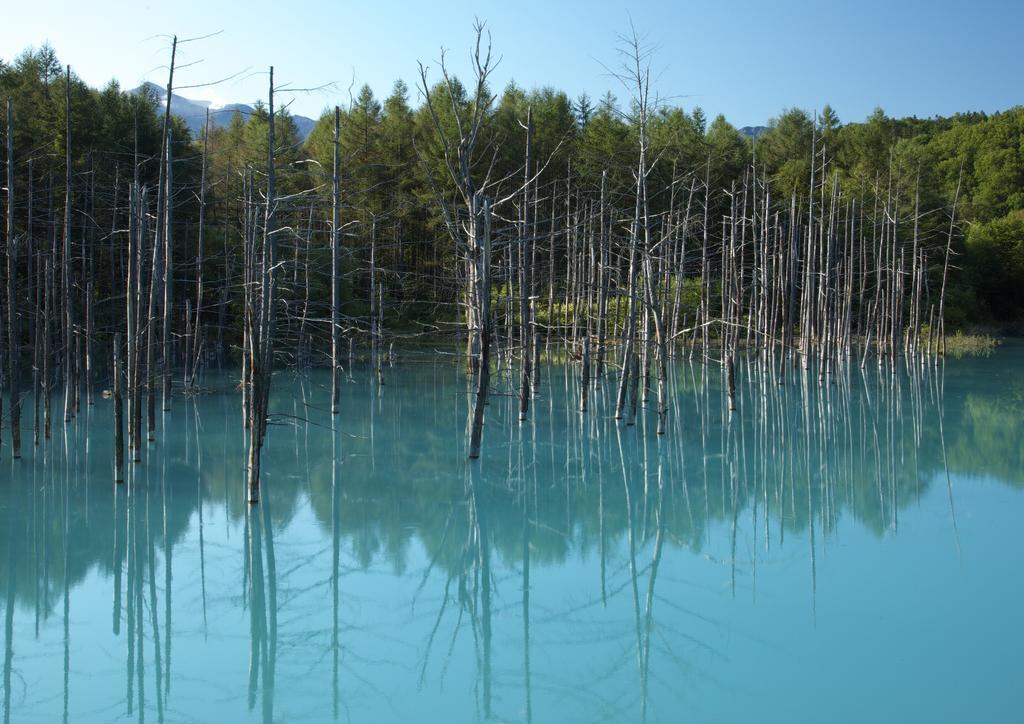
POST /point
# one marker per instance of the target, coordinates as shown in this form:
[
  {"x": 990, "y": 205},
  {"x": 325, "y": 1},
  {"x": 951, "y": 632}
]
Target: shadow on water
[{"x": 377, "y": 555}]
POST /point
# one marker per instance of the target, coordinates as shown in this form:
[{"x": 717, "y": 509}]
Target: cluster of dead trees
[
  {"x": 544, "y": 263},
  {"x": 798, "y": 278}
]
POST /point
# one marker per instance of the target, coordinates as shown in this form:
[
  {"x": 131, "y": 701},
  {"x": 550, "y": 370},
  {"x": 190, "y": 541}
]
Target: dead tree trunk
[
  {"x": 150, "y": 325},
  {"x": 131, "y": 311},
  {"x": 200, "y": 251},
  {"x": 13, "y": 316},
  {"x": 941, "y": 320},
  {"x": 482, "y": 262},
  {"x": 375, "y": 308},
  {"x": 118, "y": 414},
  {"x": 262, "y": 322},
  {"x": 525, "y": 276},
  {"x": 459, "y": 151},
  {"x": 602, "y": 273},
  {"x": 88, "y": 282},
  {"x": 34, "y": 277},
  {"x": 335, "y": 259},
  {"x": 48, "y": 311},
  {"x": 69, "y": 313},
  {"x": 166, "y": 359}
]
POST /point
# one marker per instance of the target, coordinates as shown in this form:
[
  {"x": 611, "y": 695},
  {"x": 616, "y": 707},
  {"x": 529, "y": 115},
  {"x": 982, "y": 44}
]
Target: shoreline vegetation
[
  {"x": 966, "y": 345},
  {"x": 518, "y": 225}
]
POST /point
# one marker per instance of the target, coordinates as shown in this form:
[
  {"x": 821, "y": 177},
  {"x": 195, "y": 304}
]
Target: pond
[{"x": 848, "y": 550}]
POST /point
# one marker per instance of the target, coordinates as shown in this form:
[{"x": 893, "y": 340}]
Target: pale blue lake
[{"x": 847, "y": 552}]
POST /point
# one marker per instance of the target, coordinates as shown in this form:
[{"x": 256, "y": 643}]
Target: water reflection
[
  {"x": 555, "y": 577},
  {"x": 261, "y": 571}
]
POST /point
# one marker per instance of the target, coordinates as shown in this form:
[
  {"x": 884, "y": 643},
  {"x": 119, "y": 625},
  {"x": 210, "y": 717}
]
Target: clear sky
[{"x": 748, "y": 60}]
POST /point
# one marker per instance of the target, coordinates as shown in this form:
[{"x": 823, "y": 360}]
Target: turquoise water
[{"x": 844, "y": 552}]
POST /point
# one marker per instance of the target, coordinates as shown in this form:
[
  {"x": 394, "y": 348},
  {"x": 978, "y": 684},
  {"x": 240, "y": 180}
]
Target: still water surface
[{"x": 843, "y": 552}]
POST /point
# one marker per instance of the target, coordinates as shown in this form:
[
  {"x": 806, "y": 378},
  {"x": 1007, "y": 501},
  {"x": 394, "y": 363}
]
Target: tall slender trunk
[
  {"x": 13, "y": 315},
  {"x": 482, "y": 261},
  {"x": 69, "y": 312},
  {"x": 118, "y": 414},
  {"x": 262, "y": 339},
  {"x": 166, "y": 354},
  {"x": 34, "y": 277},
  {"x": 200, "y": 253},
  {"x": 602, "y": 275},
  {"x": 941, "y": 319},
  {"x": 48, "y": 310},
  {"x": 525, "y": 244},
  {"x": 375, "y": 310},
  {"x": 130, "y": 312},
  {"x": 335, "y": 260}
]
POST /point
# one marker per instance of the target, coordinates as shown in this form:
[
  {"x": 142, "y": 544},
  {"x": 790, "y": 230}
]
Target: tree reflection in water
[{"x": 446, "y": 575}]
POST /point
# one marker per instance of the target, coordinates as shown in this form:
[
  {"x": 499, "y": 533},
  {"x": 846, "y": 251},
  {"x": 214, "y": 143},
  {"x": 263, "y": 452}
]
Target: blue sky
[{"x": 748, "y": 60}]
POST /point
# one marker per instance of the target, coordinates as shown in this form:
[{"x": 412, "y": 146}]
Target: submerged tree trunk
[
  {"x": 69, "y": 313},
  {"x": 482, "y": 262},
  {"x": 118, "y": 414},
  {"x": 262, "y": 320}
]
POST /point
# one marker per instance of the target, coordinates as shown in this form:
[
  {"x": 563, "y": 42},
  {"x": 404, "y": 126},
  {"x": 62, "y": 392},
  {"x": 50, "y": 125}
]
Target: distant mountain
[
  {"x": 748, "y": 131},
  {"x": 194, "y": 112},
  {"x": 304, "y": 126}
]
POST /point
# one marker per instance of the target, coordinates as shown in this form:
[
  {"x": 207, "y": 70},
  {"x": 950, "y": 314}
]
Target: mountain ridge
[
  {"x": 193, "y": 112},
  {"x": 753, "y": 132}
]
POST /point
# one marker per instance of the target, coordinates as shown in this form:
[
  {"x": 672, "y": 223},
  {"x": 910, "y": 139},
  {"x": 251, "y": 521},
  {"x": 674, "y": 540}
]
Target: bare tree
[{"x": 461, "y": 152}]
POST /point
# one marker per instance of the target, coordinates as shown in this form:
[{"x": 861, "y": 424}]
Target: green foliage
[
  {"x": 990, "y": 154},
  {"x": 728, "y": 150},
  {"x": 964, "y": 345},
  {"x": 606, "y": 144},
  {"x": 785, "y": 151},
  {"x": 995, "y": 258},
  {"x": 104, "y": 121}
]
